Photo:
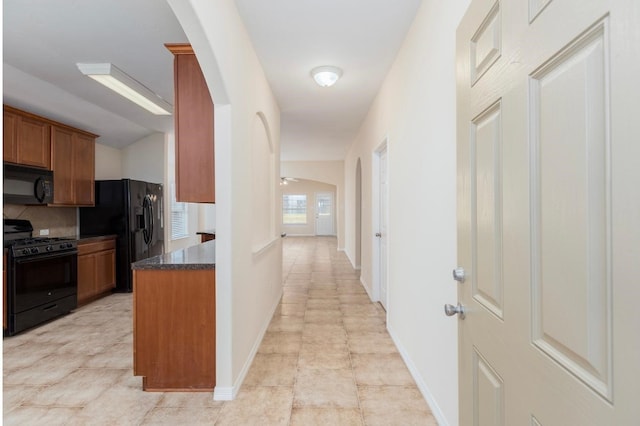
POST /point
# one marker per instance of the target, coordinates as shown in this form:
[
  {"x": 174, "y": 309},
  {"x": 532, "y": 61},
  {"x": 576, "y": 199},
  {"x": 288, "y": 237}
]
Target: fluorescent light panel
[{"x": 117, "y": 80}]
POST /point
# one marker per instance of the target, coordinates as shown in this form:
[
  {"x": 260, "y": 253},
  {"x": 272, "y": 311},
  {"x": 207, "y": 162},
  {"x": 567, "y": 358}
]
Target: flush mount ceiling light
[
  {"x": 326, "y": 76},
  {"x": 125, "y": 85}
]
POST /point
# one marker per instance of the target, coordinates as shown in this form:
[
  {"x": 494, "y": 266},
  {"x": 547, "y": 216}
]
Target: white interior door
[
  {"x": 383, "y": 234},
  {"x": 324, "y": 213},
  {"x": 549, "y": 212}
]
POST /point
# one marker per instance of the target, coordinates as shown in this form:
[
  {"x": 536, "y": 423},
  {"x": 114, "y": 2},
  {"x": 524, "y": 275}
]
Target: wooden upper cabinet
[
  {"x": 62, "y": 159},
  {"x": 36, "y": 141},
  {"x": 73, "y": 161},
  {"x": 27, "y": 139},
  {"x": 193, "y": 111},
  {"x": 84, "y": 167},
  {"x": 10, "y": 136}
]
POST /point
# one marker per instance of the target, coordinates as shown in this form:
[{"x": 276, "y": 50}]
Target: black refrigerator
[{"x": 132, "y": 210}]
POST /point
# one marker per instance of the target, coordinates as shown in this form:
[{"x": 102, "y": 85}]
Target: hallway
[{"x": 326, "y": 359}]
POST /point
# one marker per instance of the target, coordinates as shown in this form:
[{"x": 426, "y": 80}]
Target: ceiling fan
[{"x": 286, "y": 180}]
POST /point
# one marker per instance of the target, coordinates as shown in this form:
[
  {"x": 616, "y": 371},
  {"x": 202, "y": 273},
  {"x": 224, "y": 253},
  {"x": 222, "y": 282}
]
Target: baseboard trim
[
  {"x": 366, "y": 288},
  {"x": 223, "y": 394},
  {"x": 424, "y": 389},
  {"x": 230, "y": 393}
]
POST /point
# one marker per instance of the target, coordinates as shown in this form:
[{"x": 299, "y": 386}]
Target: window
[
  {"x": 179, "y": 224},
  {"x": 294, "y": 209}
]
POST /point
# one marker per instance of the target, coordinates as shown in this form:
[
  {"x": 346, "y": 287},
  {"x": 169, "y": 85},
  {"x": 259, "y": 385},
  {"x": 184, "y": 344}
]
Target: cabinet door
[
  {"x": 62, "y": 156},
  {"x": 34, "y": 143},
  {"x": 10, "y": 137},
  {"x": 194, "y": 133},
  {"x": 4, "y": 290},
  {"x": 86, "y": 277},
  {"x": 84, "y": 170},
  {"x": 105, "y": 270}
]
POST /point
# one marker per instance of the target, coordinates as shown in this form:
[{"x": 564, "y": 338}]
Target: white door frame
[{"x": 375, "y": 220}]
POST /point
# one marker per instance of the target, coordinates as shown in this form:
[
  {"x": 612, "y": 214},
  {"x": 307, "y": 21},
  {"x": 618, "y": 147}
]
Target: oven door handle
[{"x": 45, "y": 256}]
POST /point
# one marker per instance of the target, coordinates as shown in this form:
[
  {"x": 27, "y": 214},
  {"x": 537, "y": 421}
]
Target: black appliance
[
  {"x": 42, "y": 276},
  {"x": 27, "y": 185},
  {"x": 132, "y": 210}
]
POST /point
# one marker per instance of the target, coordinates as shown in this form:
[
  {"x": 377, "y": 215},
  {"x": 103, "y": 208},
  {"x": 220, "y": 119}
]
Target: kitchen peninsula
[{"x": 174, "y": 320}]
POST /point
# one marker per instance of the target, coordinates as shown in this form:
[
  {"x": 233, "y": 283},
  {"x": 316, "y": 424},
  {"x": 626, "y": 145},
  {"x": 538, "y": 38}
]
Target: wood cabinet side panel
[
  {"x": 174, "y": 328},
  {"x": 194, "y": 133}
]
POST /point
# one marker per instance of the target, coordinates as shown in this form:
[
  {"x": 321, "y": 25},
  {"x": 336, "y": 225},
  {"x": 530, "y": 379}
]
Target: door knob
[
  {"x": 451, "y": 310},
  {"x": 378, "y": 234},
  {"x": 458, "y": 274}
]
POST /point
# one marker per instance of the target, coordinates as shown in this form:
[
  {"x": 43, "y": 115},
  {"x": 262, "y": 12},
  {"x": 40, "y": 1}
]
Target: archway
[{"x": 358, "y": 216}]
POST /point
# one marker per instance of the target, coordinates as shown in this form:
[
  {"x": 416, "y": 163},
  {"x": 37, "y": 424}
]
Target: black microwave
[{"x": 27, "y": 185}]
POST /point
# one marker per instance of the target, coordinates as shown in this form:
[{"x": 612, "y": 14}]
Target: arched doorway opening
[{"x": 358, "y": 216}]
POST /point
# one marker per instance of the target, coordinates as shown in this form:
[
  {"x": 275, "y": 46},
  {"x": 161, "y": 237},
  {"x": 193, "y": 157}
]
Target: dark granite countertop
[
  {"x": 207, "y": 232},
  {"x": 201, "y": 256}
]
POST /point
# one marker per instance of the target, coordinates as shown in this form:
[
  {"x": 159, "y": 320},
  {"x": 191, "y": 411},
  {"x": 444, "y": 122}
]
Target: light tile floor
[{"x": 326, "y": 359}]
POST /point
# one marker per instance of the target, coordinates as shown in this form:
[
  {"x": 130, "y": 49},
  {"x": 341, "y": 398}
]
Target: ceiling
[{"x": 43, "y": 41}]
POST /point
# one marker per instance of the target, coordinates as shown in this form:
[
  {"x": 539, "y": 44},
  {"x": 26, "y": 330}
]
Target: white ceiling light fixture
[
  {"x": 117, "y": 80},
  {"x": 326, "y": 76}
]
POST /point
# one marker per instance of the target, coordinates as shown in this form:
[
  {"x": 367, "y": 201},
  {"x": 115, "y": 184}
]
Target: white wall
[
  {"x": 206, "y": 217},
  {"x": 309, "y": 188},
  {"x": 415, "y": 111},
  {"x": 108, "y": 162},
  {"x": 145, "y": 159},
  {"x": 248, "y": 282},
  {"x": 331, "y": 172}
]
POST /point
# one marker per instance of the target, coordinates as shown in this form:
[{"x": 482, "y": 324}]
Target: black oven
[
  {"x": 44, "y": 287},
  {"x": 42, "y": 276}
]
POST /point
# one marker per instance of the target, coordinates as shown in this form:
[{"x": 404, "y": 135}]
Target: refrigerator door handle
[
  {"x": 146, "y": 220},
  {"x": 151, "y": 221}
]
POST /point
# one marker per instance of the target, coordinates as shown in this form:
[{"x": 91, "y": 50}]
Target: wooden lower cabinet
[
  {"x": 207, "y": 237},
  {"x": 4, "y": 291},
  {"x": 96, "y": 269},
  {"x": 174, "y": 329}
]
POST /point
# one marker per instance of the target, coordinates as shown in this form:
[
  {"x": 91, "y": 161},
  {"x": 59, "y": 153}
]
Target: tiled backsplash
[{"x": 60, "y": 221}]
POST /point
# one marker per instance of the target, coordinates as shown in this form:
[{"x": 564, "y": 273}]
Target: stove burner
[
  {"x": 36, "y": 240},
  {"x": 35, "y": 246}
]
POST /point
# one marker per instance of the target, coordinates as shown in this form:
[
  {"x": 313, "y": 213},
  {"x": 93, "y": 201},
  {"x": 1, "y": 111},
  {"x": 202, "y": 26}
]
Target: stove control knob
[
  {"x": 49, "y": 248},
  {"x": 25, "y": 251},
  {"x": 34, "y": 250},
  {"x": 62, "y": 246}
]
